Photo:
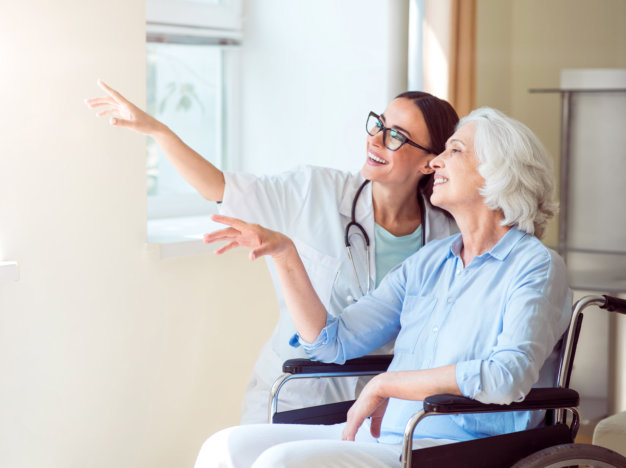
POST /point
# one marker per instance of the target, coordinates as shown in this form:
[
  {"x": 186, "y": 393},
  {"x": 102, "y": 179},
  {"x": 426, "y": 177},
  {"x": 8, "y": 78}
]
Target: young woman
[
  {"x": 350, "y": 229},
  {"x": 478, "y": 314}
]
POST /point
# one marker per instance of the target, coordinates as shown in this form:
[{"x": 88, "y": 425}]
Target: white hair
[{"x": 519, "y": 179}]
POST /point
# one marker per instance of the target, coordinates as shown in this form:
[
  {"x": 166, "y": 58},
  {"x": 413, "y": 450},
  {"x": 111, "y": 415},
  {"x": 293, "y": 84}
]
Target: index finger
[
  {"x": 111, "y": 92},
  {"x": 228, "y": 221}
]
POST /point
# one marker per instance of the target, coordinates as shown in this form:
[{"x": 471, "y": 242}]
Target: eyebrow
[
  {"x": 454, "y": 140},
  {"x": 396, "y": 127}
]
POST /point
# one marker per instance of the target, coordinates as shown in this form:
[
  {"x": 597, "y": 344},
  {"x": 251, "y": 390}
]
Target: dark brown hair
[
  {"x": 441, "y": 120},
  {"x": 440, "y": 117}
]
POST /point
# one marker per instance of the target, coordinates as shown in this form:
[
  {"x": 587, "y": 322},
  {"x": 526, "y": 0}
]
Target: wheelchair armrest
[
  {"x": 367, "y": 364},
  {"x": 537, "y": 399}
]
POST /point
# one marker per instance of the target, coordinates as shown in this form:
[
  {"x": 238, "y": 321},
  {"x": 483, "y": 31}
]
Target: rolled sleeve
[
  {"x": 322, "y": 348},
  {"x": 468, "y": 377}
]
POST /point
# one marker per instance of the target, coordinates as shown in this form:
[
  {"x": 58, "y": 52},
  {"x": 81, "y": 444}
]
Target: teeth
[
  {"x": 440, "y": 180},
  {"x": 376, "y": 158}
]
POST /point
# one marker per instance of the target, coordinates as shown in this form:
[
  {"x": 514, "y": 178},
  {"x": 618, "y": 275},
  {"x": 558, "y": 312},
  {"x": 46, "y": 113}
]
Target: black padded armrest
[
  {"x": 614, "y": 304},
  {"x": 537, "y": 399},
  {"x": 377, "y": 363}
]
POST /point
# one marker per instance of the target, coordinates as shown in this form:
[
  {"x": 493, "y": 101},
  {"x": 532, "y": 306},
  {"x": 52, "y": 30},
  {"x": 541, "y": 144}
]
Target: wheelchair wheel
[{"x": 573, "y": 455}]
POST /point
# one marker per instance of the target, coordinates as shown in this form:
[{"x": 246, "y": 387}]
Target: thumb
[{"x": 117, "y": 122}]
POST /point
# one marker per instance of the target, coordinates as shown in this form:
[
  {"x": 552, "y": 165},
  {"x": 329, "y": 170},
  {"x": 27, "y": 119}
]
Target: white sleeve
[{"x": 266, "y": 200}]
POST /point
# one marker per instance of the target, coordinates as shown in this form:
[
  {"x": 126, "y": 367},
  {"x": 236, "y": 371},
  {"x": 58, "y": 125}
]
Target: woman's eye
[{"x": 396, "y": 136}]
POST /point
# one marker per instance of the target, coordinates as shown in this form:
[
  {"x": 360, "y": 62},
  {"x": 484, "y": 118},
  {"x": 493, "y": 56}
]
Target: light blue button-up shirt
[{"x": 498, "y": 319}]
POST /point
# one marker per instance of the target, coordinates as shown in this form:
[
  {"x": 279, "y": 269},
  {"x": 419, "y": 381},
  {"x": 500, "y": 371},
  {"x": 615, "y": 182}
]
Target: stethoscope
[{"x": 353, "y": 223}]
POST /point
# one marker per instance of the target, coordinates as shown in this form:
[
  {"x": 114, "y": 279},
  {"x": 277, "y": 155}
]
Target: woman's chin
[
  {"x": 438, "y": 201},
  {"x": 367, "y": 172}
]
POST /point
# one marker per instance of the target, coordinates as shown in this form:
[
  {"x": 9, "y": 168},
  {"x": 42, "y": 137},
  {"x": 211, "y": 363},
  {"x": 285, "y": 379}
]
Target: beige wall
[
  {"x": 109, "y": 357},
  {"x": 524, "y": 44}
]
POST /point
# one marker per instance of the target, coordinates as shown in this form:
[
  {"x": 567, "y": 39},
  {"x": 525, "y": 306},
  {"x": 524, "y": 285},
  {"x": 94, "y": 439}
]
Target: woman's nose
[
  {"x": 377, "y": 138},
  {"x": 437, "y": 161}
]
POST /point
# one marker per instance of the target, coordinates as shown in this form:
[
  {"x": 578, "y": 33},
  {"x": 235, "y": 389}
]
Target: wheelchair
[{"x": 551, "y": 445}]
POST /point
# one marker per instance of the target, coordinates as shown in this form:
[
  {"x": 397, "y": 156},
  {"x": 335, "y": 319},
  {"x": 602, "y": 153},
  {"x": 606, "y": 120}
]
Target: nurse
[{"x": 349, "y": 229}]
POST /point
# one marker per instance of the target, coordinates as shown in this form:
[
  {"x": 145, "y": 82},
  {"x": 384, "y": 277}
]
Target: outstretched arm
[
  {"x": 306, "y": 309},
  {"x": 207, "y": 179}
]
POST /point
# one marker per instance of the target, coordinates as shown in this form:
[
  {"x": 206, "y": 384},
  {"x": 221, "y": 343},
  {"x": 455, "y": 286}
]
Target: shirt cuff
[{"x": 468, "y": 377}]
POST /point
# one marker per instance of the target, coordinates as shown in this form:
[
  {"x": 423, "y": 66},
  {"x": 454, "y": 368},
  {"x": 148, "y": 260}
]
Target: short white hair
[{"x": 519, "y": 179}]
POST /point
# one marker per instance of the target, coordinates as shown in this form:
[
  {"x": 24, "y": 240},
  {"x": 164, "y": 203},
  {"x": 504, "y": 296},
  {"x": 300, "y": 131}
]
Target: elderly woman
[{"x": 476, "y": 314}]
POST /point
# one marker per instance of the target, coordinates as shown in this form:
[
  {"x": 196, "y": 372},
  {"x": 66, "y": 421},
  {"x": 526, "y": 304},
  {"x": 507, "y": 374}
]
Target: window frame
[
  {"x": 186, "y": 22},
  {"x": 225, "y": 16}
]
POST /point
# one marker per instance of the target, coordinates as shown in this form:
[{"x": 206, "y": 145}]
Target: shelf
[
  {"x": 182, "y": 237},
  {"x": 597, "y": 271}
]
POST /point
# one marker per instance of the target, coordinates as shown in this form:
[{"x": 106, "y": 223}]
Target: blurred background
[{"x": 123, "y": 341}]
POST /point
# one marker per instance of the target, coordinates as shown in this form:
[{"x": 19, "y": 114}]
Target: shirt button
[
  {"x": 450, "y": 300},
  {"x": 458, "y": 272},
  {"x": 435, "y": 329}
]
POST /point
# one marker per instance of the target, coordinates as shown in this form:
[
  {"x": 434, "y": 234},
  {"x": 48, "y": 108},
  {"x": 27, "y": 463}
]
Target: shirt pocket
[
  {"x": 417, "y": 311},
  {"x": 321, "y": 268}
]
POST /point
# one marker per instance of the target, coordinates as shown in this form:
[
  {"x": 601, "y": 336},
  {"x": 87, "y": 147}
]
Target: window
[{"x": 192, "y": 68}]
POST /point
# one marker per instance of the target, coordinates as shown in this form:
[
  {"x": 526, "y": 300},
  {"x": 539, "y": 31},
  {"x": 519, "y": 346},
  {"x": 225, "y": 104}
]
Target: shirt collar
[{"x": 499, "y": 251}]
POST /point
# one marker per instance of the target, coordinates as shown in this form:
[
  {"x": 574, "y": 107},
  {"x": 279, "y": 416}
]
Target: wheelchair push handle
[{"x": 614, "y": 304}]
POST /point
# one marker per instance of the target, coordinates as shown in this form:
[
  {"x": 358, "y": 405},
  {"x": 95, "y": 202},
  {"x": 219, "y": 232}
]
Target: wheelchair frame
[{"x": 518, "y": 445}]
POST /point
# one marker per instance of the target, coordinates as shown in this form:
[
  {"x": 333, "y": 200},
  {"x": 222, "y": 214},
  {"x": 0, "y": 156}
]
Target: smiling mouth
[
  {"x": 376, "y": 159},
  {"x": 439, "y": 180}
]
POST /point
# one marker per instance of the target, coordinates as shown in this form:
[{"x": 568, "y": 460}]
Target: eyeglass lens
[{"x": 392, "y": 139}]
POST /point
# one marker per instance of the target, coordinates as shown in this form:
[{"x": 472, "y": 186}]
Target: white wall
[
  {"x": 311, "y": 78},
  {"x": 109, "y": 357}
]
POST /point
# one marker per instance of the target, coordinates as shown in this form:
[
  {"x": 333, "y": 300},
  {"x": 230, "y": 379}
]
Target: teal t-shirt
[{"x": 390, "y": 250}]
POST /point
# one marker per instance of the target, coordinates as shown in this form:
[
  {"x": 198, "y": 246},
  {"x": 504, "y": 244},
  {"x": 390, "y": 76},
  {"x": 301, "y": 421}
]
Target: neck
[
  {"x": 480, "y": 230},
  {"x": 396, "y": 209}
]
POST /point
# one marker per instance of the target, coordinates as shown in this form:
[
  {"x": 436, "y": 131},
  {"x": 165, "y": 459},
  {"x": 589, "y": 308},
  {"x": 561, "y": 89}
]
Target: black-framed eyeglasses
[{"x": 392, "y": 138}]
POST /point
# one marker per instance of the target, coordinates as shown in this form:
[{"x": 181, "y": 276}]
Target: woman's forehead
[
  {"x": 404, "y": 113},
  {"x": 464, "y": 134}
]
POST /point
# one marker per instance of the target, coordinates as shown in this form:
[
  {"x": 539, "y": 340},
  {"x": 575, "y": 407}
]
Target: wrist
[
  {"x": 379, "y": 385},
  {"x": 287, "y": 255},
  {"x": 159, "y": 130}
]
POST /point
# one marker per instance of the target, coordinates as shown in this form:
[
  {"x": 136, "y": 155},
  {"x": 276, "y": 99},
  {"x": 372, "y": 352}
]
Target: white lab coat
[{"x": 312, "y": 206}]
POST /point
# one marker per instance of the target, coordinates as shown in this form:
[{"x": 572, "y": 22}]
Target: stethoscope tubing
[{"x": 353, "y": 223}]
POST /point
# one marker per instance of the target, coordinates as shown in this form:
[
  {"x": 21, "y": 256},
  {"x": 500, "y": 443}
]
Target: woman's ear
[{"x": 427, "y": 169}]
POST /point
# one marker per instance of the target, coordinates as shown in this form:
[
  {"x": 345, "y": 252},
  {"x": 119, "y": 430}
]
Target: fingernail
[{"x": 113, "y": 121}]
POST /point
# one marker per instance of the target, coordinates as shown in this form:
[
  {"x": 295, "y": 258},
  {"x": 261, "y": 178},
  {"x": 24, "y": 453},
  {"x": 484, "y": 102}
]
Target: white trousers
[{"x": 301, "y": 446}]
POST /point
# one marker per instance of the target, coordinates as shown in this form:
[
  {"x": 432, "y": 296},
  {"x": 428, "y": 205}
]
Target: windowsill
[
  {"x": 182, "y": 237},
  {"x": 9, "y": 271}
]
